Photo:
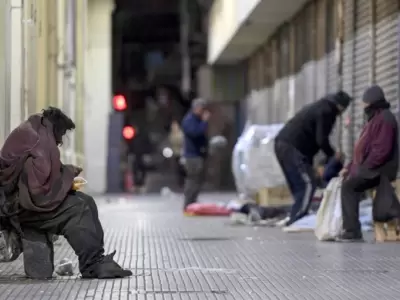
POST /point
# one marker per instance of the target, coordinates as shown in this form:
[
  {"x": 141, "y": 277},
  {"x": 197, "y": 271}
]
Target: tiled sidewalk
[{"x": 173, "y": 257}]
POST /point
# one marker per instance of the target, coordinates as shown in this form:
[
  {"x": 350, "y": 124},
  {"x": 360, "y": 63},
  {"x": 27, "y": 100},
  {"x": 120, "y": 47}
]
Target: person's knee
[
  {"x": 89, "y": 200},
  {"x": 346, "y": 186}
]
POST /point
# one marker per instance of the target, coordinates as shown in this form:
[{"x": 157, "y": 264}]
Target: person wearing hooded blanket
[
  {"x": 36, "y": 192},
  {"x": 300, "y": 140},
  {"x": 375, "y": 162}
]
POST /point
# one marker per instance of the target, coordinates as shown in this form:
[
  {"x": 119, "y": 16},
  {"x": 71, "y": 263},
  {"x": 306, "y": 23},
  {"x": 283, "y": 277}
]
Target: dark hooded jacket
[
  {"x": 309, "y": 130},
  {"x": 377, "y": 148},
  {"x": 31, "y": 172}
]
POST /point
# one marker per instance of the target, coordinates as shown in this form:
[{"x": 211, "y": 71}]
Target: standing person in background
[
  {"x": 195, "y": 150},
  {"x": 139, "y": 146},
  {"x": 176, "y": 141},
  {"x": 299, "y": 141}
]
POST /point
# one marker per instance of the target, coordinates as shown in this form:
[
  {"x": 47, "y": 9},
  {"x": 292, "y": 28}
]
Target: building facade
[
  {"x": 41, "y": 64},
  {"x": 292, "y": 55}
]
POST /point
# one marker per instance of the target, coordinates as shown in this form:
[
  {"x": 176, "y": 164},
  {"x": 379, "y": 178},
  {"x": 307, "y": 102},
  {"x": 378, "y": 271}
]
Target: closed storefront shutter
[
  {"x": 309, "y": 68},
  {"x": 386, "y": 49},
  {"x": 331, "y": 27},
  {"x": 322, "y": 57},
  {"x": 347, "y": 68},
  {"x": 299, "y": 57},
  {"x": 284, "y": 58},
  {"x": 362, "y": 60}
]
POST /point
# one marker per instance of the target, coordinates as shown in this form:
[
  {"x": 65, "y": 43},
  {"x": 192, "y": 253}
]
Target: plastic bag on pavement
[
  {"x": 254, "y": 164},
  {"x": 10, "y": 246},
  {"x": 207, "y": 209},
  {"x": 386, "y": 206},
  {"x": 329, "y": 215}
]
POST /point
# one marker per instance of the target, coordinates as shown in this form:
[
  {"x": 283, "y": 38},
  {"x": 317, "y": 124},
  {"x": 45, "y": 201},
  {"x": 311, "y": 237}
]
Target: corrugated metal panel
[
  {"x": 362, "y": 59},
  {"x": 300, "y": 60},
  {"x": 386, "y": 49},
  {"x": 321, "y": 56},
  {"x": 284, "y": 57},
  {"x": 309, "y": 69},
  {"x": 347, "y": 67},
  {"x": 331, "y": 27}
]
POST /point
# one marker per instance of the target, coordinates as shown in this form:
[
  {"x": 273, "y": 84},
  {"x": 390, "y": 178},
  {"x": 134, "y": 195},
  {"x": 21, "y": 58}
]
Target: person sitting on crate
[
  {"x": 374, "y": 165},
  {"x": 300, "y": 140},
  {"x": 37, "y": 193}
]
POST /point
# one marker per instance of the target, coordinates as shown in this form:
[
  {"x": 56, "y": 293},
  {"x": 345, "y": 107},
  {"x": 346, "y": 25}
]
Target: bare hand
[
  {"x": 343, "y": 172},
  {"x": 206, "y": 116}
]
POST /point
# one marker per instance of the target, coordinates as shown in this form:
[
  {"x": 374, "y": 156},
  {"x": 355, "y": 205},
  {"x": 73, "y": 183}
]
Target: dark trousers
[
  {"x": 300, "y": 178},
  {"x": 351, "y": 194},
  {"x": 139, "y": 171},
  {"x": 78, "y": 221},
  {"x": 180, "y": 171},
  {"x": 195, "y": 171}
]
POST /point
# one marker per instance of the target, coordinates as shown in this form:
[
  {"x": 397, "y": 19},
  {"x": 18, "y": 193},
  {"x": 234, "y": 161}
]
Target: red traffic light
[
  {"x": 128, "y": 132},
  {"x": 119, "y": 103}
]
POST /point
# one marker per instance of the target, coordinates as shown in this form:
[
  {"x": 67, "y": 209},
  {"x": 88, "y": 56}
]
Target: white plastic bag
[
  {"x": 329, "y": 215},
  {"x": 254, "y": 163}
]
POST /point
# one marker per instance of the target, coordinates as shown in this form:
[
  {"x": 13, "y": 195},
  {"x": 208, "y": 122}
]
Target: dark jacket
[
  {"x": 308, "y": 131},
  {"x": 195, "y": 136},
  {"x": 377, "y": 147},
  {"x": 30, "y": 156}
]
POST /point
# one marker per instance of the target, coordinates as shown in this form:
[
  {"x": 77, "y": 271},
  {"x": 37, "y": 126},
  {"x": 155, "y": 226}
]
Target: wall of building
[
  {"x": 328, "y": 45},
  {"x": 37, "y": 64},
  {"x": 97, "y": 92},
  {"x": 225, "y": 18}
]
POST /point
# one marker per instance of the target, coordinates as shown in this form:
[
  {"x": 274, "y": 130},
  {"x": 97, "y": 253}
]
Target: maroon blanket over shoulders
[{"x": 30, "y": 158}]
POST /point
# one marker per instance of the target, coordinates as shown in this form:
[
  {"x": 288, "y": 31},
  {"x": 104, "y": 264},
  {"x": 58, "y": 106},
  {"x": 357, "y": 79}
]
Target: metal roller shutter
[
  {"x": 347, "y": 68},
  {"x": 309, "y": 68},
  {"x": 299, "y": 84},
  {"x": 386, "y": 49},
  {"x": 331, "y": 62},
  {"x": 322, "y": 55},
  {"x": 332, "y": 72},
  {"x": 284, "y": 58},
  {"x": 362, "y": 60}
]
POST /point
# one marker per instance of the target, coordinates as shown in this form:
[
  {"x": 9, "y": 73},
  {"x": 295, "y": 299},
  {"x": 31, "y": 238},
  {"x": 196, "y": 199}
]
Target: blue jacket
[
  {"x": 195, "y": 132},
  {"x": 332, "y": 169}
]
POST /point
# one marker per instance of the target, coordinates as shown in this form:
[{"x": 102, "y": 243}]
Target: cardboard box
[{"x": 274, "y": 197}]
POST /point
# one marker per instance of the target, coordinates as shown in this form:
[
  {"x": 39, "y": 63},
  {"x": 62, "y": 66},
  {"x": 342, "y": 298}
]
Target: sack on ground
[
  {"x": 10, "y": 246},
  {"x": 386, "y": 206},
  {"x": 329, "y": 215}
]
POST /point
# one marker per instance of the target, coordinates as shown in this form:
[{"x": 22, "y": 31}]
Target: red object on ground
[{"x": 207, "y": 209}]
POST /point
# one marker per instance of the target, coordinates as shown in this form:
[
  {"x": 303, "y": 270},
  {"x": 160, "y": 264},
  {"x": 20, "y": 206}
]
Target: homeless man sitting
[
  {"x": 39, "y": 188},
  {"x": 374, "y": 165}
]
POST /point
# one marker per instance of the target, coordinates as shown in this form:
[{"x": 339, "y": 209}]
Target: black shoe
[
  {"x": 350, "y": 237},
  {"x": 107, "y": 268}
]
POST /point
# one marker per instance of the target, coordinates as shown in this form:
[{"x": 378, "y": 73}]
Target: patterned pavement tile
[{"x": 176, "y": 257}]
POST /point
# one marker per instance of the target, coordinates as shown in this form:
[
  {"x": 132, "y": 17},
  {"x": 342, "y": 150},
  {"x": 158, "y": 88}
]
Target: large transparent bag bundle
[{"x": 254, "y": 163}]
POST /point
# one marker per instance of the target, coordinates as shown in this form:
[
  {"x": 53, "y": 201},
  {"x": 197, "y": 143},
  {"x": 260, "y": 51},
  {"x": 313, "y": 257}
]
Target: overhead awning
[{"x": 237, "y": 27}]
